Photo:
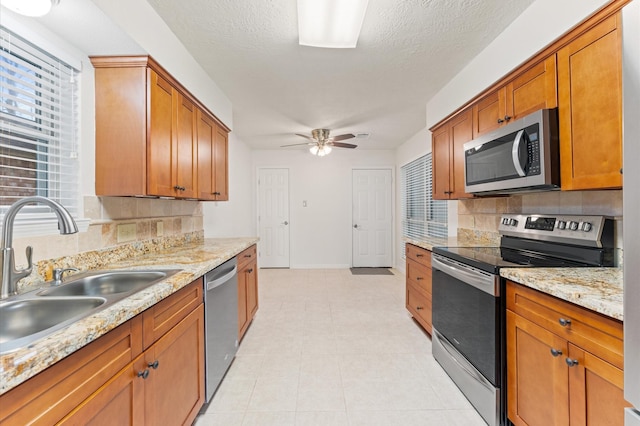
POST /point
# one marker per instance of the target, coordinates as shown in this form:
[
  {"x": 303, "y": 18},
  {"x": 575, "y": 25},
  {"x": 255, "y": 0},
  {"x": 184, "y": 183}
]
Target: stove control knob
[
  {"x": 586, "y": 226},
  {"x": 562, "y": 224},
  {"x": 505, "y": 220},
  {"x": 573, "y": 225},
  {"x": 513, "y": 222}
]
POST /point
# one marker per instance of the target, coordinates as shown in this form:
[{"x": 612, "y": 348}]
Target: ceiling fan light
[
  {"x": 332, "y": 24},
  {"x": 314, "y": 150},
  {"x": 32, "y": 8}
]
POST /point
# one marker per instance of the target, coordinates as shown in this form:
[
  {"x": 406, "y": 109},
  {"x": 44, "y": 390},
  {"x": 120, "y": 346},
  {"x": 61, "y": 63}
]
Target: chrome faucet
[{"x": 9, "y": 275}]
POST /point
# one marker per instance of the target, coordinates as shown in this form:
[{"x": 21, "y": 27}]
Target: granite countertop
[
  {"x": 195, "y": 260},
  {"x": 597, "y": 289}
]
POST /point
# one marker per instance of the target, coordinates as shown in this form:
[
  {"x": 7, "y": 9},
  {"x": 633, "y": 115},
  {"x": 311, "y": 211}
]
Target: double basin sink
[{"x": 37, "y": 314}]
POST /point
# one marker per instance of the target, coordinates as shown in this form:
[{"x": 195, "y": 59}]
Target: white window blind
[
  {"x": 38, "y": 128},
  {"x": 422, "y": 216}
]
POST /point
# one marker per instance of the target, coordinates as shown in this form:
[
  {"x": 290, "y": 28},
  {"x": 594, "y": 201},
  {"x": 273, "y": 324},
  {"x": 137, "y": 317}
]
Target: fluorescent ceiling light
[
  {"x": 330, "y": 23},
  {"x": 30, "y": 7}
]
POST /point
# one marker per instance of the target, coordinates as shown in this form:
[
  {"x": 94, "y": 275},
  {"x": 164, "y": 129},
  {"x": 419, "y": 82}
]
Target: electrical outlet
[
  {"x": 159, "y": 229},
  {"x": 126, "y": 232}
]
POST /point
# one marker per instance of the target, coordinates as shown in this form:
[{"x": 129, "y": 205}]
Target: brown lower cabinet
[
  {"x": 117, "y": 379},
  {"x": 247, "y": 288},
  {"x": 418, "y": 290},
  {"x": 564, "y": 362}
]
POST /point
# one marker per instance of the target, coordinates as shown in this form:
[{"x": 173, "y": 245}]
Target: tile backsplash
[
  {"x": 481, "y": 216},
  {"x": 151, "y": 218}
]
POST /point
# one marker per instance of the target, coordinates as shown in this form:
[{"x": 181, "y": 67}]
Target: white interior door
[
  {"x": 372, "y": 218},
  {"x": 273, "y": 218}
]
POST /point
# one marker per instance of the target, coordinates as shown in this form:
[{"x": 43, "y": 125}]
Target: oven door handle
[
  {"x": 483, "y": 281},
  {"x": 454, "y": 354}
]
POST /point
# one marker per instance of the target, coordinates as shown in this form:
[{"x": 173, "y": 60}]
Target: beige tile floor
[{"x": 329, "y": 348}]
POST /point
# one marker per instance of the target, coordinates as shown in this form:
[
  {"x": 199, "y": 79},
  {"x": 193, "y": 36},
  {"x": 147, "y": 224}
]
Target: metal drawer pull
[
  {"x": 419, "y": 308},
  {"x": 571, "y": 362},
  {"x": 419, "y": 255},
  {"x": 144, "y": 374},
  {"x": 556, "y": 352},
  {"x": 419, "y": 278},
  {"x": 564, "y": 322},
  {"x": 153, "y": 364}
]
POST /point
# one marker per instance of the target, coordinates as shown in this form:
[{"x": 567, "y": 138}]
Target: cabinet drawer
[
  {"x": 420, "y": 255},
  {"x": 595, "y": 333},
  {"x": 49, "y": 396},
  {"x": 163, "y": 316},
  {"x": 419, "y": 304},
  {"x": 419, "y": 275},
  {"x": 246, "y": 256}
]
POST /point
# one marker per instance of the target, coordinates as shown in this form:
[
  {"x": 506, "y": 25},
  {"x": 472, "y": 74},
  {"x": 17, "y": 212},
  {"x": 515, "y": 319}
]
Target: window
[
  {"x": 421, "y": 215},
  {"x": 38, "y": 127}
]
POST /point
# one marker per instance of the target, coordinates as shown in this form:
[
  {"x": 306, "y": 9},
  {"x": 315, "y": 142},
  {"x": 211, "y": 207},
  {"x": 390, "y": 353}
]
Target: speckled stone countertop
[
  {"x": 598, "y": 289},
  {"x": 430, "y": 242},
  {"x": 195, "y": 260}
]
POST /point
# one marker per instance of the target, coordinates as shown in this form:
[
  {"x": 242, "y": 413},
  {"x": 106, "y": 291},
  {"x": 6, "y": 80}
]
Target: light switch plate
[{"x": 126, "y": 232}]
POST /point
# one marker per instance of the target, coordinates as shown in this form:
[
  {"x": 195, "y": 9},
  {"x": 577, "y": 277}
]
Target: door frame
[{"x": 393, "y": 210}]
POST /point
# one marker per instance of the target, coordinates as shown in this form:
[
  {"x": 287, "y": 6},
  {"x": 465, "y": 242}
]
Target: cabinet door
[
  {"x": 488, "y": 113},
  {"x": 206, "y": 169},
  {"x": 441, "y": 159},
  {"x": 243, "y": 313},
  {"x": 532, "y": 90},
  {"x": 185, "y": 164},
  {"x": 460, "y": 134},
  {"x": 174, "y": 388},
  {"x": 537, "y": 386},
  {"x": 160, "y": 159},
  {"x": 252, "y": 289},
  {"x": 596, "y": 389},
  {"x": 418, "y": 304},
  {"x": 590, "y": 107},
  {"x": 221, "y": 158},
  {"x": 118, "y": 402}
]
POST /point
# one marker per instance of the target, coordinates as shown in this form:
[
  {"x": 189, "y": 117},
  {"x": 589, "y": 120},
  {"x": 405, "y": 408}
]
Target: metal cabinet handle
[
  {"x": 571, "y": 362},
  {"x": 564, "y": 322},
  {"x": 556, "y": 352},
  {"x": 419, "y": 308},
  {"x": 507, "y": 117},
  {"x": 179, "y": 188},
  {"x": 153, "y": 364},
  {"x": 419, "y": 255},
  {"x": 250, "y": 270},
  {"x": 419, "y": 278},
  {"x": 500, "y": 121},
  {"x": 144, "y": 374}
]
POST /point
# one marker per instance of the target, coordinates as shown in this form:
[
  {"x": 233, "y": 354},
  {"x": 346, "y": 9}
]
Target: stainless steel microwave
[{"x": 520, "y": 156}]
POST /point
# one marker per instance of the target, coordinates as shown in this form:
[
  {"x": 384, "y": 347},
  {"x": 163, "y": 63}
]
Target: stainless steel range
[{"x": 469, "y": 312}]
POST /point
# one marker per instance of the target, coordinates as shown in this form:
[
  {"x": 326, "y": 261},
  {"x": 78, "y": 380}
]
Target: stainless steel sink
[
  {"x": 32, "y": 316},
  {"x": 24, "y": 320},
  {"x": 107, "y": 283}
]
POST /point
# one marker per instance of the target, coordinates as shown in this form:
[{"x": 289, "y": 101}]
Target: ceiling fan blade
[
  {"x": 305, "y": 136},
  {"x": 342, "y": 145},
  {"x": 343, "y": 137},
  {"x": 297, "y": 144}
]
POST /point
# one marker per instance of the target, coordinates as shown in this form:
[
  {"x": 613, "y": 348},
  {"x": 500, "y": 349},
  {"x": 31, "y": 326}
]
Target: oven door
[{"x": 467, "y": 313}]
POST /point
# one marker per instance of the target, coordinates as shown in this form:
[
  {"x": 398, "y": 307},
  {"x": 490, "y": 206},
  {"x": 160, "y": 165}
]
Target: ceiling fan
[{"x": 321, "y": 143}]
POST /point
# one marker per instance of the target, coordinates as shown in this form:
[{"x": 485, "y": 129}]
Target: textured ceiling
[{"x": 407, "y": 50}]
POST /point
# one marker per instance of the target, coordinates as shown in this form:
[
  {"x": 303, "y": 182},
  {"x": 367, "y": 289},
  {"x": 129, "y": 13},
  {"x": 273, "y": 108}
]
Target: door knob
[
  {"x": 355, "y": 226},
  {"x": 285, "y": 223}
]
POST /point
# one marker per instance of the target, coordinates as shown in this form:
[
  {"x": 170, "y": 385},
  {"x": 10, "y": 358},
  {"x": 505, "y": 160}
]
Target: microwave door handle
[{"x": 515, "y": 153}]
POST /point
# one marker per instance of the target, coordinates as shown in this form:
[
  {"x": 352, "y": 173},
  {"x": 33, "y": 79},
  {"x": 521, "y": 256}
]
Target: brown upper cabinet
[
  {"x": 448, "y": 156},
  {"x": 529, "y": 91},
  {"x": 149, "y": 133},
  {"x": 590, "y": 113},
  {"x": 212, "y": 159}
]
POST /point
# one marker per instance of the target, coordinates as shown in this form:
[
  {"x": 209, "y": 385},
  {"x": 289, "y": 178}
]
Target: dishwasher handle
[{"x": 219, "y": 281}]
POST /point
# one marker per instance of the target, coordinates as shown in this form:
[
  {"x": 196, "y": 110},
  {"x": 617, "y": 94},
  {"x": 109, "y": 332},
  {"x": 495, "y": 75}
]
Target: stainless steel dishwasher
[{"x": 221, "y": 322}]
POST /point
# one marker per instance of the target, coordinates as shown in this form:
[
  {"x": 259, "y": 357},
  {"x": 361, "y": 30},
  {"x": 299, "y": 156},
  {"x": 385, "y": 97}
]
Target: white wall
[
  {"x": 236, "y": 217},
  {"x": 320, "y": 234}
]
